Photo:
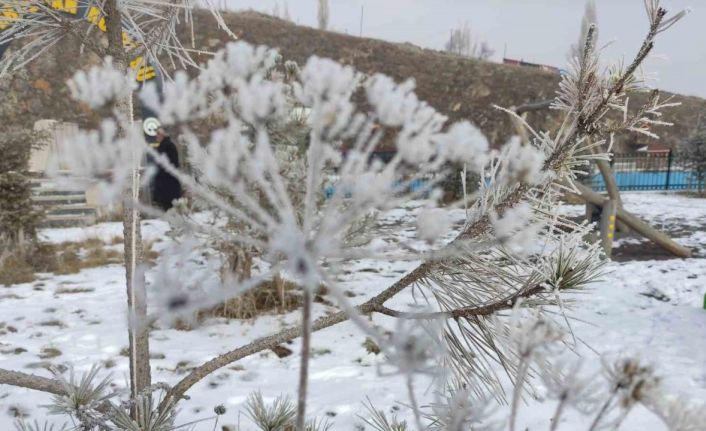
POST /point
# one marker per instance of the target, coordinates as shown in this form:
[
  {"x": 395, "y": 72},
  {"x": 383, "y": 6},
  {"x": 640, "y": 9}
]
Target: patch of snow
[{"x": 652, "y": 309}]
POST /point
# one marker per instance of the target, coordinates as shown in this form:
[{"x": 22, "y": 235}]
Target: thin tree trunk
[
  {"x": 304, "y": 364},
  {"x": 138, "y": 333}
]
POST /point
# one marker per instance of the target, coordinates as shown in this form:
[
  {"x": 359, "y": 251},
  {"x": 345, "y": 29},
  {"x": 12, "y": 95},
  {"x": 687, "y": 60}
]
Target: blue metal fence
[
  {"x": 632, "y": 171},
  {"x": 648, "y": 171}
]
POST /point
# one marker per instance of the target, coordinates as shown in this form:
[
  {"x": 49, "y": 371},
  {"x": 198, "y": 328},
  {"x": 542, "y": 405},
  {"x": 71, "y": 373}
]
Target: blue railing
[
  {"x": 648, "y": 171},
  {"x": 650, "y": 180},
  {"x": 418, "y": 185},
  {"x": 632, "y": 172}
]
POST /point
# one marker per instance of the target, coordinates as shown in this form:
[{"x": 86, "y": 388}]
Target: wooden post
[
  {"x": 608, "y": 219},
  {"x": 669, "y": 170},
  {"x": 611, "y": 187},
  {"x": 636, "y": 224}
]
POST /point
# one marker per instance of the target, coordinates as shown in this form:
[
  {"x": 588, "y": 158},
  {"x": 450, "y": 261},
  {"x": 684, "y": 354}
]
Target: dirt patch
[
  {"x": 54, "y": 322},
  {"x": 49, "y": 352},
  {"x": 646, "y": 250},
  {"x": 16, "y": 270},
  {"x": 73, "y": 290},
  {"x": 631, "y": 246},
  {"x": 64, "y": 259},
  {"x": 72, "y": 257},
  {"x": 20, "y": 266},
  {"x": 634, "y": 247}
]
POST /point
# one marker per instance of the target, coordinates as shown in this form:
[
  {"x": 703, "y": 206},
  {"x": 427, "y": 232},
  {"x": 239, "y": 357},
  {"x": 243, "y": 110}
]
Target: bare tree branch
[
  {"x": 31, "y": 381},
  {"x": 467, "y": 312},
  {"x": 536, "y": 106}
]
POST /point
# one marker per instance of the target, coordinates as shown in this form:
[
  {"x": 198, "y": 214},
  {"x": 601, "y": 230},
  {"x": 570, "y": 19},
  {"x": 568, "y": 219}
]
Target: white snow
[
  {"x": 664, "y": 328},
  {"x": 151, "y": 230}
]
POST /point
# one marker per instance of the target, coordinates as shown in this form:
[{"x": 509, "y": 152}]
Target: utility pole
[{"x": 362, "y": 9}]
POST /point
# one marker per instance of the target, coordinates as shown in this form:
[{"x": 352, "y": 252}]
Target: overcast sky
[{"x": 538, "y": 31}]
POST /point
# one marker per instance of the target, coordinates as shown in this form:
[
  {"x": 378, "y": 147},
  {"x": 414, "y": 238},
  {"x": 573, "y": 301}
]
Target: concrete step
[
  {"x": 66, "y": 210},
  {"x": 62, "y": 206},
  {"x": 42, "y": 184},
  {"x": 68, "y": 220},
  {"x": 58, "y": 200},
  {"x": 46, "y": 191}
]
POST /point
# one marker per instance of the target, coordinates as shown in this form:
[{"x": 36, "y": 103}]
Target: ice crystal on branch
[{"x": 101, "y": 85}]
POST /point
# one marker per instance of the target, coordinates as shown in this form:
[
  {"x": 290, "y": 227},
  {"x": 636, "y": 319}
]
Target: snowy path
[{"x": 79, "y": 319}]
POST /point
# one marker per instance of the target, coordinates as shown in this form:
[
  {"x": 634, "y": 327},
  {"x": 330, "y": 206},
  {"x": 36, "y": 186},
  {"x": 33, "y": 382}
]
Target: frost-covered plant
[
  {"x": 318, "y": 425},
  {"x": 678, "y": 414},
  {"x": 142, "y": 414},
  {"x": 85, "y": 399},
  {"x": 604, "y": 402},
  {"x": 279, "y": 415},
  {"x": 273, "y": 417},
  {"x": 379, "y": 420},
  {"x": 36, "y": 426},
  {"x": 513, "y": 252},
  {"x": 457, "y": 410},
  {"x": 590, "y": 17},
  {"x": 307, "y": 240},
  {"x": 289, "y": 137}
]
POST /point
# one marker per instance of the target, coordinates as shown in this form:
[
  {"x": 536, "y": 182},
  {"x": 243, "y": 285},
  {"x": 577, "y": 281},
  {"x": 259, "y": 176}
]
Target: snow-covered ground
[{"x": 648, "y": 308}]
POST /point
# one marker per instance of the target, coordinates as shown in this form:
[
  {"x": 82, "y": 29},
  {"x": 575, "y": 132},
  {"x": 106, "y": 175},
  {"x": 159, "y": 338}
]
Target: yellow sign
[
  {"x": 145, "y": 72},
  {"x": 7, "y": 17},
  {"x": 68, "y": 6},
  {"x": 94, "y": 17}
]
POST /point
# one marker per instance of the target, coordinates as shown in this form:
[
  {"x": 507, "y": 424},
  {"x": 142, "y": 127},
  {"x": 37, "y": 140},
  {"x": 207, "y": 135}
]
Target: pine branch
[
  {"x": 71, "y": 29},
  {"x": 506, "y": 303},
  {"x": 536, "y": 106}
]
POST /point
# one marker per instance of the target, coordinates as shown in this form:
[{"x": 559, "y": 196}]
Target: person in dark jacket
[{"x": 165, "y": 187}]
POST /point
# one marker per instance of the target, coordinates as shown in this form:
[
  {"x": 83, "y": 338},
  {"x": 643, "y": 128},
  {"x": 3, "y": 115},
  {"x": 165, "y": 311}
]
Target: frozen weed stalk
[{"x": 304, "y": 216}]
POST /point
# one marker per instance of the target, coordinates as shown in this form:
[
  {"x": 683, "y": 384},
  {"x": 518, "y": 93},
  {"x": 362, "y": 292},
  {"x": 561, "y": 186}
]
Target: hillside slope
[{"x": 460, "y": 88}]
